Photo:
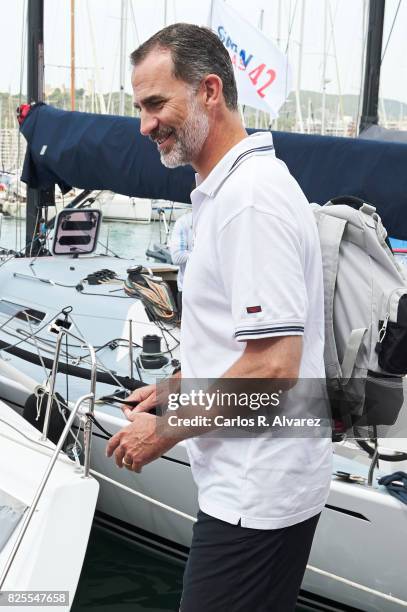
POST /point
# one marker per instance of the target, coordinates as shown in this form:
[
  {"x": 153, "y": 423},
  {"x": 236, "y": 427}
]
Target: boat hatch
[
  {"x": 76, "y": 231},
  {"x": 18, "y": 311},
  {"x": 11, "y": 511}
]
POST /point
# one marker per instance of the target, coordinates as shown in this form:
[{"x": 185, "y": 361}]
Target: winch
[{"x": 151, "y": 357}]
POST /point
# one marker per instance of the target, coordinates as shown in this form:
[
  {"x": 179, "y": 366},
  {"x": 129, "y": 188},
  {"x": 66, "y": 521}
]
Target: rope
[
  {"x": 142, "y": 496},
  {"x": 153, "y": 294},
  {"x": 356, "y": 585},
  {"x": 98, "y": 425}
]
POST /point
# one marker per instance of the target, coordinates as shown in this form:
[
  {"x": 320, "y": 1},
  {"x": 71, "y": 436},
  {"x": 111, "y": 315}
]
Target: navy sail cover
[{"x": 90, "y": 151}]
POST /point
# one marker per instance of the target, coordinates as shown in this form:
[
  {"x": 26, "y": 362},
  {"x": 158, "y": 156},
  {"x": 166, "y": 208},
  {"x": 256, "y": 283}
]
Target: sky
[{"x": 98, "y": 27}]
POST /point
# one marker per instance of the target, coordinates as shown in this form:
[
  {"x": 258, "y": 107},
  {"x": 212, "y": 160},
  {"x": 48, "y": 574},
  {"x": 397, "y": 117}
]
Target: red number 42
[{"x": 255, "y": 74}]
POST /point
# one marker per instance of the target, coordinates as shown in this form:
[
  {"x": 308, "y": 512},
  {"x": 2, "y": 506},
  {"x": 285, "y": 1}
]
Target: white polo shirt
[{"x": 255, "y": 272}]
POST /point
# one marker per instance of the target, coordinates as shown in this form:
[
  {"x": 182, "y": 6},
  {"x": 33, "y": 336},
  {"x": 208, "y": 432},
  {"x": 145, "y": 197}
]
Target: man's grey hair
[{"x": 196, "y": 52}]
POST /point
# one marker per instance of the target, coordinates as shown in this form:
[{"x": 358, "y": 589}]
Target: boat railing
[
  {"x": 62, "y": 332},
  {"x": 90, "y": 398},
  {"x": 163, "y": 227}
]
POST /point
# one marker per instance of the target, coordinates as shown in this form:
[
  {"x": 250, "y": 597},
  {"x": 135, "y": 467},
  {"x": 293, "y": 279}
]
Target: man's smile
[{"x": 162, "y": 139}]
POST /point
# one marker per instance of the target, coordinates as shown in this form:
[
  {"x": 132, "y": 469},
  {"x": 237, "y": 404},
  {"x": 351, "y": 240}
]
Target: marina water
[{"x": 128, "y": 240}]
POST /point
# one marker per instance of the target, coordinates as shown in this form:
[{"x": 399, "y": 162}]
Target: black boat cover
[{"x": 108, "y": 152}]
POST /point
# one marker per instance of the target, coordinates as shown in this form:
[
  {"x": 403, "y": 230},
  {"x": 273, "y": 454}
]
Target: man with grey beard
[{"x": 252, "y": 308}]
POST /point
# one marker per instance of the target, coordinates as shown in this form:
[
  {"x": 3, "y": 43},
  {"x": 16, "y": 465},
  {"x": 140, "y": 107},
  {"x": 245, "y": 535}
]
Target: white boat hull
[
  {"x": 116, "y": 207},
  {"x": 51, "y": 554}
]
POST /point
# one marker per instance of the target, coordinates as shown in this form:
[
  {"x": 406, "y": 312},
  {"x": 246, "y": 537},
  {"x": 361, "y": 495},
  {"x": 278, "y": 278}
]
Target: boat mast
[
  {"x": 372, "y": 65},
  {"x": 35, "y": 93},
  {"x": 257, "y": 116},
  {"x": 165, "y": 13},
  {"x": 96, "y": 82},
  {"x": 324, "y": 79},
  {"x": 123, "y": 59},
  {"x": 73, "y": 55},
  {"x": 300, "y": 122},
  {"x": 276, "y": 122}
]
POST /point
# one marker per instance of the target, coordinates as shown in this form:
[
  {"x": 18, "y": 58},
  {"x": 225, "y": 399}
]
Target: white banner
[{"x": 262, "y": 72}]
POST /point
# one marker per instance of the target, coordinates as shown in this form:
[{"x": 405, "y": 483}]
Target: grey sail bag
[{"x": 365, "y": 293}]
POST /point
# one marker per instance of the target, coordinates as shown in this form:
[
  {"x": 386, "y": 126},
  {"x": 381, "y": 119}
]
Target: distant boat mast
[
  {"x": 123, "y": 58},
  {"x": 372, "y": 66},
  {"x": 73, "y": 55},
  {"x": 35, "y": 93}
]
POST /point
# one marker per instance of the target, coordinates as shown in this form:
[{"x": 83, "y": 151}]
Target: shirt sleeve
[{"x": 262, "y": 268}]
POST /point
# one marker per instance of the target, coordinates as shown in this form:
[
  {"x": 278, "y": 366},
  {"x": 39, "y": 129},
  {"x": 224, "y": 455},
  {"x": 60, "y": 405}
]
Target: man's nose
[{"x": 148, "y": 123}]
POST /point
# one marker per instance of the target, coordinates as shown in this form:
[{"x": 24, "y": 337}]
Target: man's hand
[
  {"x": 138, "y": 443},
  {"x": 151, "y": 396},
  {"x": 147, "y": 396}
]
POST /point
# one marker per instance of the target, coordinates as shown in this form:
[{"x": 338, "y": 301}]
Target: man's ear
[{"x": 212, "y": 90}]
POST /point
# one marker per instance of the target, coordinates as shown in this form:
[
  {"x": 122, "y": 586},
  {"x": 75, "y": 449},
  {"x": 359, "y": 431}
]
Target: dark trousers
[{"x": 235, "y": 569}]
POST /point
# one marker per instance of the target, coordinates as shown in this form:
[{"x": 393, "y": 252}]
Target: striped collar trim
[
  {"x": 244, "y": 149},
  {"x": 250, "y": 152}
]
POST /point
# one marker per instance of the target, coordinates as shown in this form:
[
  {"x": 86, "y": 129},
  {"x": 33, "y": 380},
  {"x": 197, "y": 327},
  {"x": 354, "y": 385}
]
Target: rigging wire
[
  {"x": 34, "y": 337},
  {"x": 290, "y": 27},
  {"x": 67, "y": 364},
  {"x": 16, "y": 254},
  {"x": 51, "y": 344},
  {"x": 98, "y": 359},
  {"x": 332, "y": 40},
  {"x": 110, "y": 110},
  {"x": 84, "y": 359},
  {"x": 34, "y": 236},
  {"x": 48, "y": 349},
  {"x": 5, "y": 348},
  {"x": 109, "y": 250},
  {"x": 391, "y": 32}
]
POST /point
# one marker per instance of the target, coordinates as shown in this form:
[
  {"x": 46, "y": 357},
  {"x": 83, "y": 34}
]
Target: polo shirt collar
[{"x": 258, "y": 140}]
